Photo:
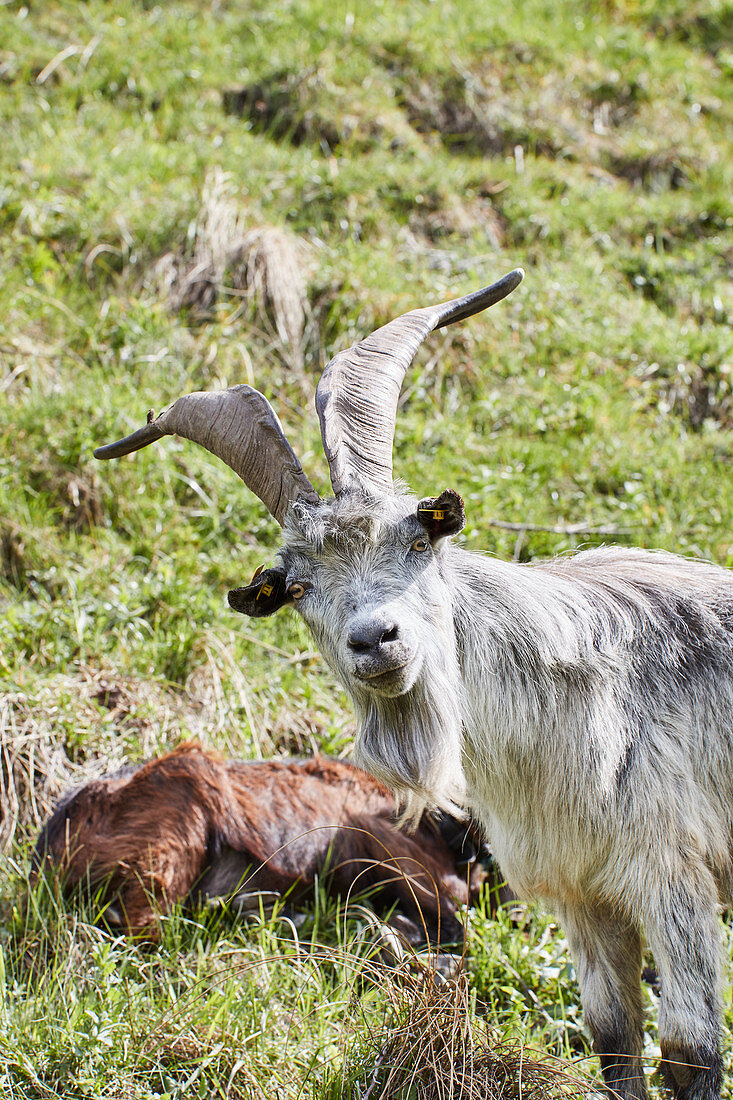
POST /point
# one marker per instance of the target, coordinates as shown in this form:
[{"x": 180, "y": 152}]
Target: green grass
[
  {"x": 228, "y": 1008},
  {"x": 411, "y": 152}
]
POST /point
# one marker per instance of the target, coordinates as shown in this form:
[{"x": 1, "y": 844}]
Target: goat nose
[{"x": 370, "y": 636}]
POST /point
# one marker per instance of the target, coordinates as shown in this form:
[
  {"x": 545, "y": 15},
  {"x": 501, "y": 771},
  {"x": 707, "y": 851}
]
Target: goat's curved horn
[
  {"x": 240, "y": 427},
  {"x": 358, "y": 392}
]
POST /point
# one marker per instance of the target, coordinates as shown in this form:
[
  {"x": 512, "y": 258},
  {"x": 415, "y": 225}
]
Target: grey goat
[{"x": 581, "y": 708}]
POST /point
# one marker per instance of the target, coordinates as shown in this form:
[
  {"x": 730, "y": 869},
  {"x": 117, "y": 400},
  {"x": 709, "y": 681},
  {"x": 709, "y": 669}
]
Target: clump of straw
[
  {"x": 435, "y": 1045},
  {"x": 263, "y": 265}
]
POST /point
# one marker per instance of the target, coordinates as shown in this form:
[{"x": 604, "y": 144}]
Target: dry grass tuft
[
  {"x": 79, "y": 727},
  {"x": 434, "y": 1046},
  {"x": 290, "y": 731},
  {"x": 267, "y": 264},
  {"x": 38, "y": 763},
  {"x": 263, "y": 265},
  {"x": 33, "y": 770}
]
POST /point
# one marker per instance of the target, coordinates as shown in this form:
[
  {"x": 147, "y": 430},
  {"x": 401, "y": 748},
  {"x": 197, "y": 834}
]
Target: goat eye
[
  {"x": 420, "y": 545},
  {"x": 296, "y": 590}
]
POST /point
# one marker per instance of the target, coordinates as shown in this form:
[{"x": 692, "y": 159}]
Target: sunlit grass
[{"x": 413, "y": 152}]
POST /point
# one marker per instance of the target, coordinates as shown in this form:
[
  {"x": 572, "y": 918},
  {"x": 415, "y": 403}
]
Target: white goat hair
[{"x": 582, "y": 708}]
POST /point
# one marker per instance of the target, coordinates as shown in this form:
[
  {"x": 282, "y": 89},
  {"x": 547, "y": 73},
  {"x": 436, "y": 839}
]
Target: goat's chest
[{"x": 549, "y": 840}]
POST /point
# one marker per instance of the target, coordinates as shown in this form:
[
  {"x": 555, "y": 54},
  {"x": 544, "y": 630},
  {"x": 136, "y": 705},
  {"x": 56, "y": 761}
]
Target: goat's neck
[
  {"x": 497, "y": 603},
  {"x": 520, "y": 645},
  {"x": 530, "y": 691}
]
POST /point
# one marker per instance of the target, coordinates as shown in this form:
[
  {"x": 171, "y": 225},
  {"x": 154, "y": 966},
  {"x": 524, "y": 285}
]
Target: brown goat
[{"x": 191, "y": 826}]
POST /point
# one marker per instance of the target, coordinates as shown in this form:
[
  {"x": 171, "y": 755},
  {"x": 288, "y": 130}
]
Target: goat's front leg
[
  {"x": 682, "y": 932},
  {"x": 607, "y": 954}
]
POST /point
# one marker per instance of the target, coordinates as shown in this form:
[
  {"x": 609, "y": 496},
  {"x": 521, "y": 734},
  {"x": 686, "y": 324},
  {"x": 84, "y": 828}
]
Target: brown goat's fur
[{"x": 191, "y": 825}]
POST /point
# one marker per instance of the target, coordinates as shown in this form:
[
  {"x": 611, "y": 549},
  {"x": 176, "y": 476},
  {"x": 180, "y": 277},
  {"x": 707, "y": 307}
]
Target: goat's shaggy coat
[
  {"x": 582, "y": 709},
  {"x": 191, "y": 826}
]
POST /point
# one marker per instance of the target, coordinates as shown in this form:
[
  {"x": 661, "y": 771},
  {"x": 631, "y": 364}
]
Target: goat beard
[{"x": 412, "y": 743}]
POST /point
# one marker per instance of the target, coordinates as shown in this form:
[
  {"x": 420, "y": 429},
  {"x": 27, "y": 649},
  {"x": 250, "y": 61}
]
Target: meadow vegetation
[{"x": 194, "y": 194}]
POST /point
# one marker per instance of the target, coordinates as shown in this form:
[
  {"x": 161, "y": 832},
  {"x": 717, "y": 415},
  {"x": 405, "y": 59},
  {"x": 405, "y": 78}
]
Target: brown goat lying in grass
[{"x": 192, "y": 826}]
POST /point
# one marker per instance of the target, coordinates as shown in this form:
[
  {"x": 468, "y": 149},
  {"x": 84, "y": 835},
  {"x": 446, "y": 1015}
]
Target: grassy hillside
[{"x": 196, "y": 194}]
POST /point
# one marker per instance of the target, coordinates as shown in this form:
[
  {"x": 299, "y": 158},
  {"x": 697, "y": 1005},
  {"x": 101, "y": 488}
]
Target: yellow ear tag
[{"x": 265, "y": 590}]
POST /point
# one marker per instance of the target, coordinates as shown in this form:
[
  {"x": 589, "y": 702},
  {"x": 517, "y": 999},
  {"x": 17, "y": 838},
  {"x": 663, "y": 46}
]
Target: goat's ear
[
  {"x": 264, "y": 594},
  {"x": 442, "y": 516}
]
